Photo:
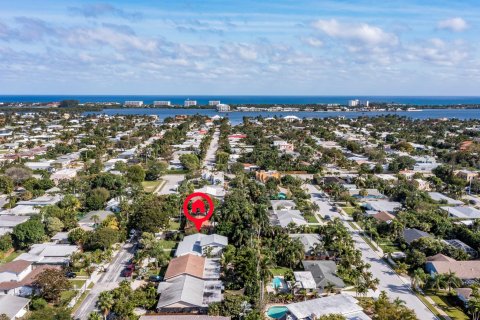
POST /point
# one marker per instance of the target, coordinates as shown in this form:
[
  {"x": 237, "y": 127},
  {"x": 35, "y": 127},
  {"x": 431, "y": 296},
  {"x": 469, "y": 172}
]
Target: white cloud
[
  {"x": 455, "y": 24},
  {"x": 313, "y": 42},
  {"x": 439, "y": 52},
  {"x": 360, "y": 33}
]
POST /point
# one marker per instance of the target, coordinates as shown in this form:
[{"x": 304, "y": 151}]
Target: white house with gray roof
[
  {"x": 14, "y": 307},
  {"x": 462, "y": 212},
  {"x": 201, "y": 244},
  {"x": 188, "y": 294},
  {"x": 342, "y": 304}
]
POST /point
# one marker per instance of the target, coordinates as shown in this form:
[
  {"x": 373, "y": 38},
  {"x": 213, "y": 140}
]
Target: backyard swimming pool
[{"x": 276, "y": 312}]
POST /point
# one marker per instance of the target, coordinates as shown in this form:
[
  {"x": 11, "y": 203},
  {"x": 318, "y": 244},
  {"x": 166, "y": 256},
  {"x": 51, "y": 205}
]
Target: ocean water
[
  {"x": 237, "y": 116},
  {"x": 235, "y": 99}
]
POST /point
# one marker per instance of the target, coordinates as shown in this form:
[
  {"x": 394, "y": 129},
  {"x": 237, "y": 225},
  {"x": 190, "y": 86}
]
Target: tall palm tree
[
  {"x": 105, "y": 303},
  {"x": 452, "y": 281},
  {"x": 95, "y": 218},
  {"x": 418, "y": 279}
]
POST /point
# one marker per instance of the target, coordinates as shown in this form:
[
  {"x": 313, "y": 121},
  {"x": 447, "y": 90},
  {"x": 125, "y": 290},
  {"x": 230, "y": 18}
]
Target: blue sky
[{"x": 302, "y": 47}]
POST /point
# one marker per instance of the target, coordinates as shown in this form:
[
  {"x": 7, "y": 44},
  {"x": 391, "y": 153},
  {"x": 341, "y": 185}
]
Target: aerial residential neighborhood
[
  {"x": 333, "y": 224},
  {"x": 240, "y": 160}
]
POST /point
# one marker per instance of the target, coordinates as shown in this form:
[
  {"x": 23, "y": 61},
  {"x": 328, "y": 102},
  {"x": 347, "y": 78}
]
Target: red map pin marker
[{"x": 198, "y": 205}]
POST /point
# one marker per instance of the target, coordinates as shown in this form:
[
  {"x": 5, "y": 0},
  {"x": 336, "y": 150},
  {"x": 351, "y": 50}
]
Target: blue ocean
[{"x": 234, "y": 99}]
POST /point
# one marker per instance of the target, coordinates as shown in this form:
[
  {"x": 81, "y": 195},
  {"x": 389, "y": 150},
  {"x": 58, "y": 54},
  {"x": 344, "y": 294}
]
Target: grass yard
[
  {"x": 81, "y": 273},
  {"x": 387, "y": 245},
  {"x": 447, "y": 304},
  {"x": 174, "y": 225},
  {"x": 168, "y": 244},
  {"x": 279, "y": 271},
  {"x": 349, "y": 210},
  {"x": 77, "y": 283},
  {"x": 150, "y": 186},
  {"x": 311, "y": 219},
  {"x": 67, "y": 296},
  {"x": 11, "y": 256},
  {"x": 429, "y": 306}
]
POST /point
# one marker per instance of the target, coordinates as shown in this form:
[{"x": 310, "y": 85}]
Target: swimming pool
[
  {"x": 277, "y": 283},
  {"x": 276, "y": 312}
]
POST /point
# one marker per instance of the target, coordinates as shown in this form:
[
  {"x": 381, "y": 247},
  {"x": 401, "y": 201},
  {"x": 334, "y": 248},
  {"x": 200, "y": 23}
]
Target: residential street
[
  {"x": 209, "y": 161},
  {"x": 389, "y": 280},
  {"x": 108, "y": 280}
]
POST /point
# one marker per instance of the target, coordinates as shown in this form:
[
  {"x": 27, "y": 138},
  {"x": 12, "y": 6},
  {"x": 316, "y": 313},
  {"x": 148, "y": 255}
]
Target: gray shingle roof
[
  {"x": 11, "y": 305},
  {"x": 410, "y": 235},
  {"x": 324, "y": 272}
]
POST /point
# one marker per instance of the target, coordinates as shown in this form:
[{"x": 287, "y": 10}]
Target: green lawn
[
  {"x": 168, "y": 244},
  {"x": 78, "y": 283},
  {"x": 11, "y": 257},
  {"x": 174, "y": 225},
  {"x": 447, "y": 303},
  {"x": 386, "y": 245},
  {"x": 66, "y": 296},
  {"x": 349, "y": 210},
  {"x": 150, "y": 186},
  {"x": 279, "y": 271},
  {"x": 429, "y": 306},
  {"x": 81, "y": 273},
  {"x": 311, "y": 219}
]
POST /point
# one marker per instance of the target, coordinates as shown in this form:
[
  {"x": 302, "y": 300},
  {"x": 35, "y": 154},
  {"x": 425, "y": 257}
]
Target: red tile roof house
[{"x": 17, "y": 277}]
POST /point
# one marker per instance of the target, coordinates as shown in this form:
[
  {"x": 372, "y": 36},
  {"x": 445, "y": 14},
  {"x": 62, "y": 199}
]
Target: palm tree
[
  {"x": 329, "y": 288},
  {"x": 438, "y": 282},
  {"x": 474, "y": 305},
  {"x": 95, "y": 218},
  {"x": 94, "y": 316},
  {"x": 418, "y": 279},
  {"x": 105, "y": 303},
  {"x": 452, "y": 281}
]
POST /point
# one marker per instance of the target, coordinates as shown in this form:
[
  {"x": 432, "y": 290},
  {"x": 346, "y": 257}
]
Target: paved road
[
  {"x": 389, "y": 280},
  {"x": 108, "y": 281},
  {"x": 209, "y": 161},
  {"x": 171, "y": 183}
]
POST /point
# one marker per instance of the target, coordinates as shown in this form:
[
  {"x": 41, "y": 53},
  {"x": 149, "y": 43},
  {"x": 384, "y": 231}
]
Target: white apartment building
[
  {"x": 214, "y": 102},
  {"x": 353, "y": 103},
  {"x": 223, "y": 107},
  {"x": 190, "y": 103},
  {"x": 133, "y": 103},
  {"x": 161, "y": 103}
]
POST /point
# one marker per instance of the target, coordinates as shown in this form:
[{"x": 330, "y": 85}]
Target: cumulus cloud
[
  {"x": 360, "y": 33},
  {"x": 102, "y": 9},
  {"x": 312, "y": 42},
  {"x": 455, "y": 24},
  {"x": 437, "y": 51}
]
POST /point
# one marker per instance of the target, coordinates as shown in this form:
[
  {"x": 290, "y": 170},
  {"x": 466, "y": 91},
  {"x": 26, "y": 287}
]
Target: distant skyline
[{"x": 220, "y": 47}]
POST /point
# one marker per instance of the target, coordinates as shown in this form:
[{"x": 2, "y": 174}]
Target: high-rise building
[
  {"x": 133, "y": 103},
  {"x": 161, "y": 103},
  {"x": 190, "y": 103},
  {"x": 223, "y": 107},
  {"x": 353, "y": 103},
  {"x": 214, "y": 102}
]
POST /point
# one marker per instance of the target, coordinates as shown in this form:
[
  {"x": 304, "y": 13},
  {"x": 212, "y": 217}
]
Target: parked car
[
  {"x": 327, "y": 217},
  {"x": 71, "y": 275},
  {"x": 126, "y": 273},
  {"x": 154, "y": 278}
]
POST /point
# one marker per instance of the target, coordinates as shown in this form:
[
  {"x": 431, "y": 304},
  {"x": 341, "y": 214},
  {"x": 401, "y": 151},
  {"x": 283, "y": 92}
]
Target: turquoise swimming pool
[
  {"x": 276, "y": 312},
  {"x": 277, "y": 283}
]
